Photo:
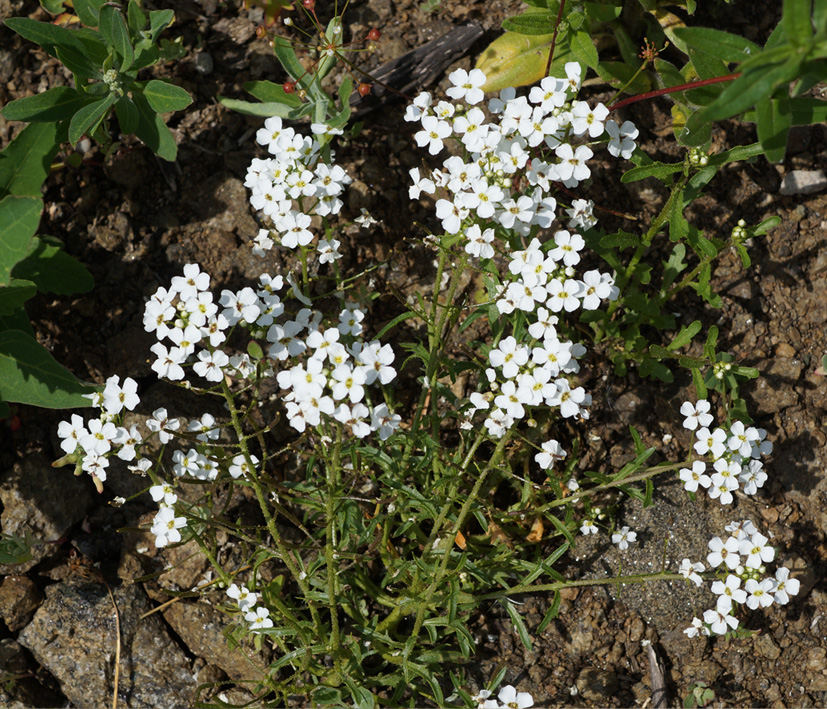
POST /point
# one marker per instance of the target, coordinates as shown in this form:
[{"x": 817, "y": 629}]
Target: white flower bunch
[
  {"x": 507, "y": 698},
  {"x": 256, "y": 616},
  {"x": 503, "y": 186},
  {"x": 741, "y": 558},
  {"x": 735, "y": 455},
  {"x": 293, "y": 185}
]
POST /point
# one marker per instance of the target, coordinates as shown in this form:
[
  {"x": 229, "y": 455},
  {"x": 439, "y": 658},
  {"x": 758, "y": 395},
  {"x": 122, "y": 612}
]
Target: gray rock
[
  {"x": 73, "y": 636},
  {"x": 803, "y": 182}
]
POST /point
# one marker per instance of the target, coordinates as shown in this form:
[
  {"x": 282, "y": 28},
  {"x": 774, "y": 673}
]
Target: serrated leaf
[
  {"x": 684, "y": 337},
  {"x": 26, "y": 161},
  {"x": 621, "y": 239},
  {"x": 19, "y": 219},
  {"x": 164, "y": 97},
  {"x": 52, "y": 270},
  {"x": 30, "y": 375}
]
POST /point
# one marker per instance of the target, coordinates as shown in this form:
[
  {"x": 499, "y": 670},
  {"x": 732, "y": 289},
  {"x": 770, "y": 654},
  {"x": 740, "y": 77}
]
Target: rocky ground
[{"x": 135, "y": 221}]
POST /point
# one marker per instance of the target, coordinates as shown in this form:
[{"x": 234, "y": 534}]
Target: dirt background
[{"x": 134, "y": 221}]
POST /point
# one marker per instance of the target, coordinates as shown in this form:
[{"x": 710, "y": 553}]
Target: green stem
[{"x": 332, "y": 474}]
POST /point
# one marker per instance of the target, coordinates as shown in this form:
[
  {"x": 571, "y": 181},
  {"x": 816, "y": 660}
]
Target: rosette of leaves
[{"x": 105, "y": 55}]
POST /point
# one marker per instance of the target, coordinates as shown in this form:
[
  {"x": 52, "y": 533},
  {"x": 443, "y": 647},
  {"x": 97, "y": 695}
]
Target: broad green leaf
[
  {"x": 80, "y": 63},
  {"x": 583, "y": 49},
  {"x": 270, "y": 92},
  {"x": 88, "y": 11},
  {"x": 52, "y": 270},
  {"x": 19, "y": 219},
  {"x": 657, "y": 169},
  {"x": 52, "y": 105},
  {"x": 153, "y": 131},
  {"x": 740, "y": 152},
  {"x": 26, "y": 161},
  {"x": 773, "y": 121},
  {"x": 159, "y": 20},
  {"x": 14, "y": 295},
  {"x": 30, "y": 375},
  {"x": 797, "y": 21},
  {"x": 135, "y": 17},
  {"x": 820, "y": 16},
  {"x": 766, "y": 225},
  {"x": 531, "y": 23},
  {"x": 603, "y": 11},
  {"x": 88, "y": 117},
  {"x": 248, "y": 108},
  {"x": 127, "y": 114},
  {"x": 519, "y": 60},
  {"x": 113, "y": 28},
  {"x": 164, "y": 97},
  {"x": 45, "y": 34},
  {"x": 718, "y": 44}
]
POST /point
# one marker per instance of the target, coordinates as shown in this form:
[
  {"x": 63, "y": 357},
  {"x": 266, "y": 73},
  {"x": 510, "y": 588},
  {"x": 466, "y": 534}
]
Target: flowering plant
[{"x": 382, "y": 519}]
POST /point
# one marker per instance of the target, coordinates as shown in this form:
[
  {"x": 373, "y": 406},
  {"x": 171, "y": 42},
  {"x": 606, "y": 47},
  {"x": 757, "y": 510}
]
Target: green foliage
[
  {"x": 700, "y": 695},
  {"x": 736, "y": 77},
  {"x": 104, "y": 56}
]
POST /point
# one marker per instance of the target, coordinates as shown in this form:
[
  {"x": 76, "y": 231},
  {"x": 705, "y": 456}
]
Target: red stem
[
  {"x": 674, "y": 89},
  {"x": 554, "y": 38}
]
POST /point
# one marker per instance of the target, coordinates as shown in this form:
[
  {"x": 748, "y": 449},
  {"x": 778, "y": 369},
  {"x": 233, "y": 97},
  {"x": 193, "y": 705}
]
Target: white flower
[
  {"x": 245, "y": 598},
  {"x": 466, "y": 85},
  {"x": 756, "y": 550},
  {"x": 696, "y": 415},
  {"x": 165, "y": 527},
  {"x": 588, "y": 527},
  {"x": 258, "y": 619},
  {"x": 784, "y": 586},
  {"x": 623, "y": 537},
  {"x": 512, "y": 699},
  {"x": 720, "y": 622},
  {"x": 622, "y": 141},
  {"x": 240, "y": 467},
  {"x": 696, "y": 476},
  {"x": 760, "y": 593},
  {"x": 723, "y": 553},
  {"x": 433, "y": 132},
  {"x": 551, "y": 452},
  {"x": 71, "y": 432},
  {"x": 691, "y": 571},
  {"x": 163, "y": 491}
]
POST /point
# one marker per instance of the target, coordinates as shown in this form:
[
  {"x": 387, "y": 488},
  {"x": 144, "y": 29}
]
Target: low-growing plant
[{"x": 384, "y": 521}]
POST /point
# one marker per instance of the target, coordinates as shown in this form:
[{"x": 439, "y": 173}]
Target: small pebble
[{"x": 203, "y": 63}]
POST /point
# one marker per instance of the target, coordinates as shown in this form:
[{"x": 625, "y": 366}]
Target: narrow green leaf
[
  {"x": 656, "y": 169},
  {"x": 765, "y": 226},
  {"x": 519, "y": 625},
  {"x": 820, "y": 16},
  {"x": 88, "y": 117},
  {"x": 30, "y": 375},
  {"x": 52, "y": 270},
  {"x": 535, "y": 22},
  {"x": 270, "y": 92},
  {"x": 248, "y": 108},
  {"x": 113, "y": 28},
  {"x": 52, "y": 105},
  {"x": 796, "y": 19},
  {"x": 773, "y": 121},
  {"x": 551, "y": 613},
  {"x": 718, "y": 44},
  {"x": 684, "y": 337},
  {"x": 164, "y": 97},
  {"x": 15, "y": 294},
  {"x": 700, "y": 385},
  {"x": 19, "y": 219}
]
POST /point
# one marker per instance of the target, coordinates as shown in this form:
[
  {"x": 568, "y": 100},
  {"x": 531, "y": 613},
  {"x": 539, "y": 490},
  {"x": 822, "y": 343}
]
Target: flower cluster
[
  {"x": 294, "y": 184},
  {"x": 256, "y": 616},
  {"x": 740, "y": 558},
  {"x": 503, "y": 187},
  {"x": 735, "y": 453}
]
